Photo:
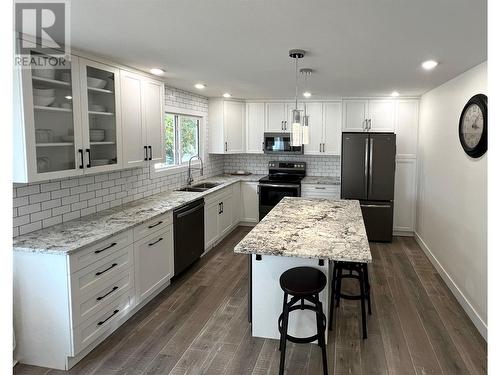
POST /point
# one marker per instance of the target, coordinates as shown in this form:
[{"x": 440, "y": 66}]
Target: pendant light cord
[{"x": 296, "y": 81}]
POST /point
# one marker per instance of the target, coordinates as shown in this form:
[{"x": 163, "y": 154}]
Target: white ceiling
[{"x": 356, "y": 47}]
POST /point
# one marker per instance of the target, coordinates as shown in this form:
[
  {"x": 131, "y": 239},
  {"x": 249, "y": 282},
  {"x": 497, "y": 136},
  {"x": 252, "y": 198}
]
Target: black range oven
[{"x": 283, "y": 180}]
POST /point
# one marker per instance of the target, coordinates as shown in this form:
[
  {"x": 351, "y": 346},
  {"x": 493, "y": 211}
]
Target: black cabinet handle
[
  {"x": 150, "y": 153},
  {"x": 106, "y": 270},
  {"x": 80, "y": 151},
  {"x": 106, "y": 248},
  {"x": 225, "y": 146},
  {"x": 222, "y": 205},
  {"x": 109, "y": 317},
  {"x": 154, "y": 225},
  {"x": 88, "y": 152},
  {"x": 107, "y": 294},
  {"x": 145, "y": 152},
  {"x": 220, "y": 208},
  {"x": 154, "y": 243}
]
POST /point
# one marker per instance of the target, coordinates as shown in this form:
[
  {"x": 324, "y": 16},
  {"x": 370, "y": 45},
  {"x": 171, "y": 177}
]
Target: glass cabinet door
[
  {"x": 55, "y": 128},
  {"x": 100, "y": 116}
]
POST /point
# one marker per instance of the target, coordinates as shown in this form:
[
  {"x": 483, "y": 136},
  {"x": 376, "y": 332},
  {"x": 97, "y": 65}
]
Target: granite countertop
[
  {"x": 321, "y": 180},
  {"x": 311, "y": 228},
  {"x": 73, "y": 235}
]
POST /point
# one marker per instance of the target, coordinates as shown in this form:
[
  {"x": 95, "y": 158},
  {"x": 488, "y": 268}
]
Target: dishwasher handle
[
  {"x": 189, "y": 208},
  {"x": 188, "y": 212}
]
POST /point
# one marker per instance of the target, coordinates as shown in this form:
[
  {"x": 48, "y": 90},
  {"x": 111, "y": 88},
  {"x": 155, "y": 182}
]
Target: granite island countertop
[
  {"x": 311, "y": 228},
  {"x": 73, "y": 235},
  {"x": 321, "y": 180}
]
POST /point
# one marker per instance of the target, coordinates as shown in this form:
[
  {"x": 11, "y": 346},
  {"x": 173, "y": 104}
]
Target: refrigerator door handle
[
  {"x": 371, "y": 165},
  {"x": 366, "y": 165},
  {"x": 375, "y": 205}
]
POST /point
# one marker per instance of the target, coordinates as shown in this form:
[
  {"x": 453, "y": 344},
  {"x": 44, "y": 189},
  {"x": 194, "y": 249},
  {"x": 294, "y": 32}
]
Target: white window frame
[{"x": 161, "y": 169}]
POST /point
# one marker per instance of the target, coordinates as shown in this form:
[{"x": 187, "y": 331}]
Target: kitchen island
[{"x": 299, "y": 232}]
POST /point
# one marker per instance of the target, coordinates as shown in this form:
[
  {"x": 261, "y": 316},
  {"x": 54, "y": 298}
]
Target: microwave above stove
[{"x": 280, "y": 143}]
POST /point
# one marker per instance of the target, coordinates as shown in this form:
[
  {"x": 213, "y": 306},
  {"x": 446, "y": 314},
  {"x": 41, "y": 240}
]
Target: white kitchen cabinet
[
  {"x": 66, "y": 121},
  {"x": 236, "y": 204},
  {"x": 255, "y": 124},
  {"x": 219, "y": 216},
  {"x": 405, "y": 196},
  {"x": 316, "y": 126},
  {"x": 275, "y": 117},
  {"x": 320, "y": 191},
  {"x": 143, "y": 128},
  {"x": 249, "y": 202},
  {"x": 374, "y": 115},
  {"x": 226, "y": 120},
  {"x": 154, "y": 262},
  {"x": 332, "y": 128},
  {"x": 407, "y": 127}
]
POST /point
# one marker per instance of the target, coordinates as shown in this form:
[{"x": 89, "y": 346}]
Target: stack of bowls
[
  {"x": 44, "y": 97},
  {"x": 44, "y": 73}
]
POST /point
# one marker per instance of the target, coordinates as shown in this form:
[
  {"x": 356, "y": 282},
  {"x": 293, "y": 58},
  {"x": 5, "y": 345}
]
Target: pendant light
[
  {"x": 306, "y": 72},
  {"x": 296, "y": 120}
]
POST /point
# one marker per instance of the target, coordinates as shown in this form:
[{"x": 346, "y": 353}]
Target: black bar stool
[
  {"x": 303, "y": 284},
  {"x": 357, "y": 271}
]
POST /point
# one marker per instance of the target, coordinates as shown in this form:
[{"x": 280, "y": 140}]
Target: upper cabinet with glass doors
[{"x": 66, "y": 119}]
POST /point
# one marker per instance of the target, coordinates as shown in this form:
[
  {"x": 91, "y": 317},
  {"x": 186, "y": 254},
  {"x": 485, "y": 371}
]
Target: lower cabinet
[
  {"x": 249, "y": 202},
  {"x": 320, "y": 191},
  {"x": 154, "y": 262},
  {"x": 220, "y": 217},
  {"x": 405, "y": 196}
]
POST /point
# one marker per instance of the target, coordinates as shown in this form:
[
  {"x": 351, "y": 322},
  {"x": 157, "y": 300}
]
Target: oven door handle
[{"x": 277, "y": 185}]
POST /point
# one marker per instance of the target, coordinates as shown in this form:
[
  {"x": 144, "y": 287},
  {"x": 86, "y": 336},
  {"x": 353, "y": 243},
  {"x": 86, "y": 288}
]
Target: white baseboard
[
  {"x": 403, "y": 233},
  {"x": 462, "y": 300}
]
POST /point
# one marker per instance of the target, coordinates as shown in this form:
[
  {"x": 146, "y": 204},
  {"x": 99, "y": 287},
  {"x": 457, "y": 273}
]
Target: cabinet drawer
[
  {"x": 218, "y": 196},
  {"x": 96, "y": 299},
  {"x": 93, "y": 253},
  {"x": 98, "y": 274},
  {"x": 102, "y": 323},
  {"x": 151, "y": 226},
  {"x": 321, "y": 191}
]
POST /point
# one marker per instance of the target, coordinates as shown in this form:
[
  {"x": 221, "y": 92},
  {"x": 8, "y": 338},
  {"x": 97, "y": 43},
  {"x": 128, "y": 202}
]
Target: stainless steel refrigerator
[{"x": 368, "y": 166}]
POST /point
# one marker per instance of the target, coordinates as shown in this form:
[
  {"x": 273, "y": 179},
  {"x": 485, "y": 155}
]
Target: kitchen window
[{"x": 182, "y": 138}]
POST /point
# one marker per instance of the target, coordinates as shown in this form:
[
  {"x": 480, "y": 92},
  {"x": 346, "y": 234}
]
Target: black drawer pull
[
  {"x": 158, "y": 240},
  {"x": 109, "y": 317},
  {"x": 106, "y": 270},
  {"x": 154, "y": 225},
  {"x": 106, "y": 248},
  {"x": 107, "y": 294}
]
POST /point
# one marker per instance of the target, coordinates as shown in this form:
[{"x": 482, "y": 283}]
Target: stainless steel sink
[
  {"x": 192, "y": 189},
  {"x": 205, "y": 185}
]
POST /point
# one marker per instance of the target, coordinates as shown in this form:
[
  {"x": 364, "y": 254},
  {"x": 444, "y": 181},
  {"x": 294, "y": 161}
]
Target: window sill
[{"x": 163, "y": 170}]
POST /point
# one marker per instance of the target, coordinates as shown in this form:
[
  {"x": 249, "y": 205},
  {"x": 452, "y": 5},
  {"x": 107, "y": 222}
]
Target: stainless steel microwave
[{"x": 280, "y": 143}]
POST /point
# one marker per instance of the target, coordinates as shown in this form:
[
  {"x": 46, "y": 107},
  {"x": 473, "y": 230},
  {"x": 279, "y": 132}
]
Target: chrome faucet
[{"x": 190, "y": 175}]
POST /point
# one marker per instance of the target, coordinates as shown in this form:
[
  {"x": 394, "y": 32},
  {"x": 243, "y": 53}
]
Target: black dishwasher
[{"x": 189, "y": 234}]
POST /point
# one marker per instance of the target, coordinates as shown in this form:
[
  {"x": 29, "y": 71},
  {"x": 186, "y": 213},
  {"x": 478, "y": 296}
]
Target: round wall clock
[{"x": 472, "y": 128}]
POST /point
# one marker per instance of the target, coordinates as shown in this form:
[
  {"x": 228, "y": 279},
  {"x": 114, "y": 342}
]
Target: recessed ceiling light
[
  {"x": 429, "y": 64},
  {"x": 307, "y": 94},
  {"x": 200, "y": 86},
  {"x": 157, "y": 71},
  {"x": 394, "y": 93},
  {"x": 226, "y": 95},
  {"x": 69, "y": 97}
]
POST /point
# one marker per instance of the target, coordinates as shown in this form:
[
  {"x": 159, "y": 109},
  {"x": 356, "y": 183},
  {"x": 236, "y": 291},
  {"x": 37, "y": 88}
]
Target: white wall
[{"x": 452, "y": 202}]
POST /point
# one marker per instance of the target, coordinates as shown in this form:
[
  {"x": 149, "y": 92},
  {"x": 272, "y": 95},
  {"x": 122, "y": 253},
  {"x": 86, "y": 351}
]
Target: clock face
[{"x": 472, "y": 126}]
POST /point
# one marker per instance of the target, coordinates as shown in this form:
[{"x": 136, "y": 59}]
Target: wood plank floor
[{"x": 199, "y": 326}]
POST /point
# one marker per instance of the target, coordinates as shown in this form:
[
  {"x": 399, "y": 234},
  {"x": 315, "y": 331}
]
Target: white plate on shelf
[
  {"x": 96, "y": 83},
  {"x": 44, "y": 73},
  {"x": 44, "y": 92},
  {"x": 43, "y": 101}
]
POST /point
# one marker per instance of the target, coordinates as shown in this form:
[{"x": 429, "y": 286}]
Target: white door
[
  {"x": 152, "y": 104},
  {"x": 154, "y": 262},
  {"x": 407, "y": 128},
  {"x": 332, "y": 128},
  {"x": 250, "y": 202},
  {"x": 275, "y": 117},
  {"x": 234, "y": 120},
  {"x": 133, "y": 132},
  {"x": 355, "y": 114},
  {"x": 226, "y": 216},
  {"x": 101, "y": 120},
  {"x": 405, "y": 195},
  {"x": 289, "y": 118},
  {"x": 256, "y": 118},
  {"x": 211, "y": 223},
  {"x": 315, "y": 113},
  {"x": 50, "y": 127},
  {"x": 382, "y": 115}
]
